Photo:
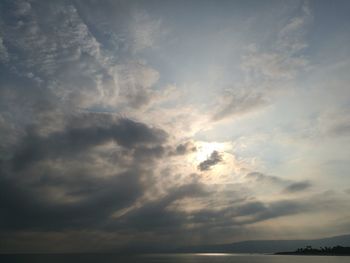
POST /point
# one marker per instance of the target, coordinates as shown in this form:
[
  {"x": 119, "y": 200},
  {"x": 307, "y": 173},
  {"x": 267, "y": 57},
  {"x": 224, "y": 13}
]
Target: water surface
[{"x": 171, "y": 258}]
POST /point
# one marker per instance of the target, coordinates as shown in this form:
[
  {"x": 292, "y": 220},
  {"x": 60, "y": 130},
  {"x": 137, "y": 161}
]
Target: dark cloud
[
  {"x": 25, "y": 208},
  {"x": 161, "y": 216},
  {"x": 65, "y": 162},
  {"x": 156, "y": 215},
  {"x": 71, "y": 141},
  {"x": 139, "y": 98},
  {"x": 214, "y": 159},
  {"x": 144, "y": 153},
  {"x": 247, "y": 212},
  {"x": 340, "y": 129},
  {"x": 297, "y": 187},
  {"x": 183, "y": 148},
  {"x": 289, "y": 186},
  {"x": 62, "y": 169},
  {"x": 260, "y": 177},
  {"x": 278, "y": 209}
]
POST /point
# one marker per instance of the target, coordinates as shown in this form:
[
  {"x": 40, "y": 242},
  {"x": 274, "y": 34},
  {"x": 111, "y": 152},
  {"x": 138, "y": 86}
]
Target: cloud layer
[{"x": 119, "y": 127}]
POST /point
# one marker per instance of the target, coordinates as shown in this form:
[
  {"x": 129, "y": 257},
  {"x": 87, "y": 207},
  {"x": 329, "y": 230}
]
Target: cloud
[
  {"x": 236, "y": 104},
  {"x": 261, "y": 178},
  {"x": 334, "y": 122},
  {"x": 214, "y": 159},
  {"x": 297, "y": 187},
  {"x": 71, "y": 141},
  {"x": 72, "y": 60},
  {"x": 135, "y": 80},
  {"x": 62, "y": 59},
  {"x": 157, "y": 215},
  {"x": 291, "y": 36},
  {"x": 285, "y": 60},
  {"x": 3, "y": 51},
  {"x": 62, "y": 166},
  {"x": 246, "y": 213},
  {"x": 273, "y": 66},
  {"x": 184, "y": 148},
  {"x": 98, "y": 132},
  {"x": 25, "y": 209},
  {"x": 289, "y": 186},
  {"x": 66, "y": 168},
  {"x": 44, "y": 50},
  {"x": 144, "y": 31},
  {"x": 266, "y": 68}
]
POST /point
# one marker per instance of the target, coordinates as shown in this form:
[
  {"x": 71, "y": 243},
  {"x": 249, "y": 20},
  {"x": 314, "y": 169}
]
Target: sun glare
[{"x": 205, "y": 149}]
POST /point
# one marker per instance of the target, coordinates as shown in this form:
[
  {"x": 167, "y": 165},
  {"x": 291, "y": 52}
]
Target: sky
[{"x": 128, "y": 124}]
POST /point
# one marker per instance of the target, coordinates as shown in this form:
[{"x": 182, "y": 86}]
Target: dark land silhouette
[
  {"x": 268, "y": 246},
  {"x": 322, "y": 251}
]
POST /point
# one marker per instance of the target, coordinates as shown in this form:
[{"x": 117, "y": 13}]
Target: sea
[{"x": 170, "y": 258}]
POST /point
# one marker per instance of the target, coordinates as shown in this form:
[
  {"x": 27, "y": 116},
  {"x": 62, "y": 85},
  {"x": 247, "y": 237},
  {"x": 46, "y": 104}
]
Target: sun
[{"x": 205, "y": 149}]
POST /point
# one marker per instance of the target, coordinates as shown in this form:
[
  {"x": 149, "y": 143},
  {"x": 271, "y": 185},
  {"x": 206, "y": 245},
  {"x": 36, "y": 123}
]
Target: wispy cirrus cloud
[{"x": 265, "y": 68}]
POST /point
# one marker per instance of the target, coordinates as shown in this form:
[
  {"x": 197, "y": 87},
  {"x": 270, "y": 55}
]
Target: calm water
[{"x": 171, "y": 258}]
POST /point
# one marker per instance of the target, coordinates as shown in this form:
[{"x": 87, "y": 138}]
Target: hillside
[{"x": 268, "y": 246}]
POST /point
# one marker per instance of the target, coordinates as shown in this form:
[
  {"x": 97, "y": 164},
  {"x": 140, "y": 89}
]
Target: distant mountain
[
  {"x": 268, "y": 246},
  {"x": 323, "y": 251}
]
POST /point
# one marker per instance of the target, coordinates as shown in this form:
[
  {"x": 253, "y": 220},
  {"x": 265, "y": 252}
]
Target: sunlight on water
[{"x": 213, "y": 254}]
